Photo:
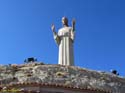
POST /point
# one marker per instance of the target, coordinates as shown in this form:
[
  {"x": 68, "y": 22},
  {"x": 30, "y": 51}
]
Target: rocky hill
[{"x": 63, "y": 75}]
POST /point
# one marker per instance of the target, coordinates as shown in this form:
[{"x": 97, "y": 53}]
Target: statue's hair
[{"x": 65, "y": 18}]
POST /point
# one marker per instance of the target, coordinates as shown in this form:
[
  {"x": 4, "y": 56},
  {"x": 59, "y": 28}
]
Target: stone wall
[{"x": 62, "y": 75}]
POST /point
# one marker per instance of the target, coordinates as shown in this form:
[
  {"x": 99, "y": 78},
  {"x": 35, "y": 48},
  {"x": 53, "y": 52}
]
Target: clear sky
[{"x": 100, "y": 31}]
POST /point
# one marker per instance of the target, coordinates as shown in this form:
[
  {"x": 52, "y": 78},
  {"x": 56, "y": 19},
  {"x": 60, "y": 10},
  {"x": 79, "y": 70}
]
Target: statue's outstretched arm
[
  {"x": 72, "y": 34},
  {"x": 73, "y": 24},
  {"x": 73, "y": 30},
  {"x": 56, "y": 37}
]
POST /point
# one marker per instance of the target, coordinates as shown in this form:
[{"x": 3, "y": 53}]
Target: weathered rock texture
[{"x": 65, "y": 75}]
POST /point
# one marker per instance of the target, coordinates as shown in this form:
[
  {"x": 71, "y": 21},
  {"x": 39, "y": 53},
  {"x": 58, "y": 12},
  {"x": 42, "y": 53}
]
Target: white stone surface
[{"x": 65, "y": 39}]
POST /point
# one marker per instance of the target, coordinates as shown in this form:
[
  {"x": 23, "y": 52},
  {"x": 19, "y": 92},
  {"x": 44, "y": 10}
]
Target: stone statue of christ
[{"x": 64, "y": 39}]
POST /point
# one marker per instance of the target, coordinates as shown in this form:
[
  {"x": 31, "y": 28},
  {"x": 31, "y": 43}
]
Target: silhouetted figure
[
  {"x": 28, "y": 60},
  {"x": 114, "y": 72}
]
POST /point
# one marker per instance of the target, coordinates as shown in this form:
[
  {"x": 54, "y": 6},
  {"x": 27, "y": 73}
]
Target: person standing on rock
[{"x": 65, "y": 39}]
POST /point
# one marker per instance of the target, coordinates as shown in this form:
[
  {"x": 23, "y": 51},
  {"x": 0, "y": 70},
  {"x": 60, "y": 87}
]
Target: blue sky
[{"x": 100, "y": 31}]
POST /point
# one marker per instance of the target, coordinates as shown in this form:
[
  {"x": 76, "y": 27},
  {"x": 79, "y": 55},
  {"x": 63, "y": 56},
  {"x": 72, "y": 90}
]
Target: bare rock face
[{"x": 65, "y": 75}]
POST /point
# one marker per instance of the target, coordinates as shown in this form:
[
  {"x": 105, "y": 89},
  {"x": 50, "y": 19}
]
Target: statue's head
[{"x": 65, "y": 21}]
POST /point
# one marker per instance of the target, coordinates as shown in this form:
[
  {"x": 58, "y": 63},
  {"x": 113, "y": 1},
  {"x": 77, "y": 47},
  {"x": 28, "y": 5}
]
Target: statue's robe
[{"x": 64, "y": 40}]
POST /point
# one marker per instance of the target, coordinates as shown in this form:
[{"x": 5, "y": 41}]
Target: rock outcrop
[{"x": 65, "y": 75}]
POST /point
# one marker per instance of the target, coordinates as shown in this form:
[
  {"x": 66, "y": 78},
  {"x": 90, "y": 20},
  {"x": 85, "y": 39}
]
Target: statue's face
[{"x": 64, "y": 21}]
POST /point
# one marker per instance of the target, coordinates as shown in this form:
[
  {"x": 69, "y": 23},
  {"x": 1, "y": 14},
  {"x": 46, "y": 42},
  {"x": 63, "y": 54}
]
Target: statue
[{"x": 65, "y": 39}]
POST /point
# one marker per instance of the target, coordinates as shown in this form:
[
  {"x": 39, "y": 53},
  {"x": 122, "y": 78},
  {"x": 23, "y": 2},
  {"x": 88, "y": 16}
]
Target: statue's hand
[
  {"x": 53, "y": 27},
  {"x": 73, "y": 22}
]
